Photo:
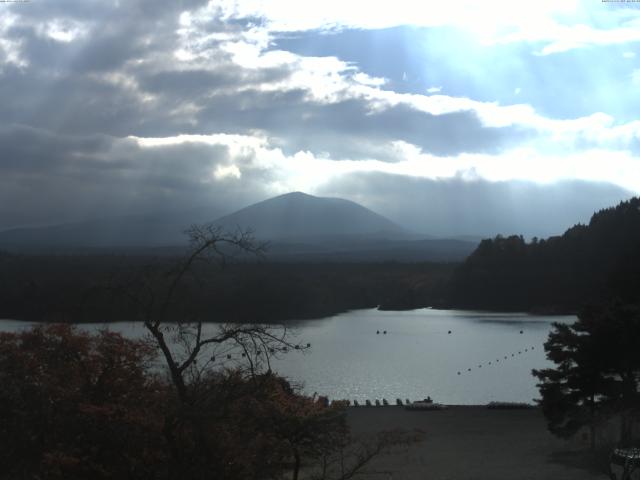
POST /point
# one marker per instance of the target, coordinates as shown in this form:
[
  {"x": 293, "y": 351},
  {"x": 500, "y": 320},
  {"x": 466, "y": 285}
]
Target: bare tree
[
  {"x": 194, "y": 351},
  {"x": 189, "y": 343}
]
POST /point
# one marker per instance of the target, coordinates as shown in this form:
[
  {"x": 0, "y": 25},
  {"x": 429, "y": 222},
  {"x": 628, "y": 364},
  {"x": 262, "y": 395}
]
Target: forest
[
  {"x": 587, "y": 264},
  {"x": 88, "y": 288}
]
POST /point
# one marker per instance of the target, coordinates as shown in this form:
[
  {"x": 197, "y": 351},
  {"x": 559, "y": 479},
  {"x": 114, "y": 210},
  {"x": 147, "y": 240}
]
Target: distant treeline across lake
[{"x": 99, "y": 288}]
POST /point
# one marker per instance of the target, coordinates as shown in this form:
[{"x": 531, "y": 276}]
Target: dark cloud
[
  {"x": 25, "y": 148},
  {"x": 52, "y": 178},
  {"x": 450, "y": 207},
  {"x": 339, "y": 128},
  {"x": 447, "y": 134}
]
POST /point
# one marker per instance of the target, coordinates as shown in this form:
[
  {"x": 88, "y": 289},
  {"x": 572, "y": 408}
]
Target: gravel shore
[{"x": 475, "y": 443}]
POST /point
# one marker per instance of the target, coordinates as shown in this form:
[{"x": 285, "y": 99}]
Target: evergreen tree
[{"x": 597, "y": 371}]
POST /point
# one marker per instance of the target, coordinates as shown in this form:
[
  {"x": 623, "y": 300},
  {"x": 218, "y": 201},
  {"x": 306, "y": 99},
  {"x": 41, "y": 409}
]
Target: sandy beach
[{"x": 475, "y": 443}]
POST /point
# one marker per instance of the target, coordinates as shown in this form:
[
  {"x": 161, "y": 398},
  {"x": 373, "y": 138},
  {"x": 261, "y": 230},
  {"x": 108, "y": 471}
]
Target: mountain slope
[
  {"x": 299, "y": 227},
  {"x": 298, "y": 215},
  {"x": 124, "y": 231},
  {"x": 588, "y": 263}
]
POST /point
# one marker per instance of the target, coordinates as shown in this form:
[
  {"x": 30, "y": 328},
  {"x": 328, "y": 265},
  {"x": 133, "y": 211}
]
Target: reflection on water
[{"x": 456, "y": 357}]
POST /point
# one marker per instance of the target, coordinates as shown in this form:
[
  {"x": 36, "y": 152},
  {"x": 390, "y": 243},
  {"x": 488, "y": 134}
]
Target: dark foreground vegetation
[
  {"x": 89, "y": 288},
  {"x": 78, "y": 406},
  {"x": 589, "y": 263}
]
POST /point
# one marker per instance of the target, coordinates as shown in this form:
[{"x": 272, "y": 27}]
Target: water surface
[{"x": 416, "y": 358}]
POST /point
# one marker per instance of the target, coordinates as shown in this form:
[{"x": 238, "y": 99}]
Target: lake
[{"x": 416, "y": 358}]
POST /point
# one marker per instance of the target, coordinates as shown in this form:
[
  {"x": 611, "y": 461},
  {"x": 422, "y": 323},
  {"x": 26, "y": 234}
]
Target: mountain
[
  {"x": 588, "y": 263},
  {"x": 300, "y": 216},
  {"x": 140, "y": 231},
  {"x": 299, "y": 228}
]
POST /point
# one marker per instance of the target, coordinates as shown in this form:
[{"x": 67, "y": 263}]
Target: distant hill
[
  {"x": 140, "y": 231},
  {"x": 303, "y": 228},
  {"x": 299, "y": 228},
  {"x": 587, "y": 263},
  {"x": 300, "y": 216}
]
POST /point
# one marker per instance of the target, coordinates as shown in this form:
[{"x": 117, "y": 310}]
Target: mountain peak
[
  {"x": 296, "y": 194},
  {"x": 298, "y": 214}
]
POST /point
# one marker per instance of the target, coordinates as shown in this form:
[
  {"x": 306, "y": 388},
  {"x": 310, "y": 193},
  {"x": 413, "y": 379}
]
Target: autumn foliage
[{"x": 75, "y": 405}]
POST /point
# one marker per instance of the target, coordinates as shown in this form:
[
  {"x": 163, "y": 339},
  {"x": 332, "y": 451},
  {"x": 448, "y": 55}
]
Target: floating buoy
[
  {"x": 512, "y": 354},
  {"x": 308, "y": 345},
  {"x": 532, "y": 348},
  {"x": 519, "y": 353},
  {"x": 468, "y": 369},
  {"x": 479, "y": 366},
  {"x": 489, "y": 363},
  {"x": 385, "y": 332},
  {"x": 458, "y": 373},
  {"x": 377, "y": 332},
  {"x": 526, "y": 349},
  {"x": 449, "y": 332},
  {"x": 505, "y": 357},
  {"x": 521, "y": 332}
]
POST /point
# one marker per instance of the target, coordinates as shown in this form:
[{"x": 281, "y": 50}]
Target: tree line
[
  {"x": 82, "y": 288},
  {"x": 586, "y": 264}
]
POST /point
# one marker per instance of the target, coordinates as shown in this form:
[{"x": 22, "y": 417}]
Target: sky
[{"x": 456, "y": 117}]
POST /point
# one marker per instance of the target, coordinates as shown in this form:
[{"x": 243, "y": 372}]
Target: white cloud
[
  {"x": 307, "y": 172},
  {"x": 227, "y": 171},
  {"x": 487, "y": 16},
  {"x": 564, "y": 38},
  {"x": 492, "y": 21},
  {"x": 64, "y": 31},
  {"x": 10, "y": 47}
]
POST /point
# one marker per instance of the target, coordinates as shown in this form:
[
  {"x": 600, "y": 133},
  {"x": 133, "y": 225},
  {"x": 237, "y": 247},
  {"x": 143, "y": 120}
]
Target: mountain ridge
[
  {"x": 300, "y": 215},
  {"x": 298, "y": 227}
]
